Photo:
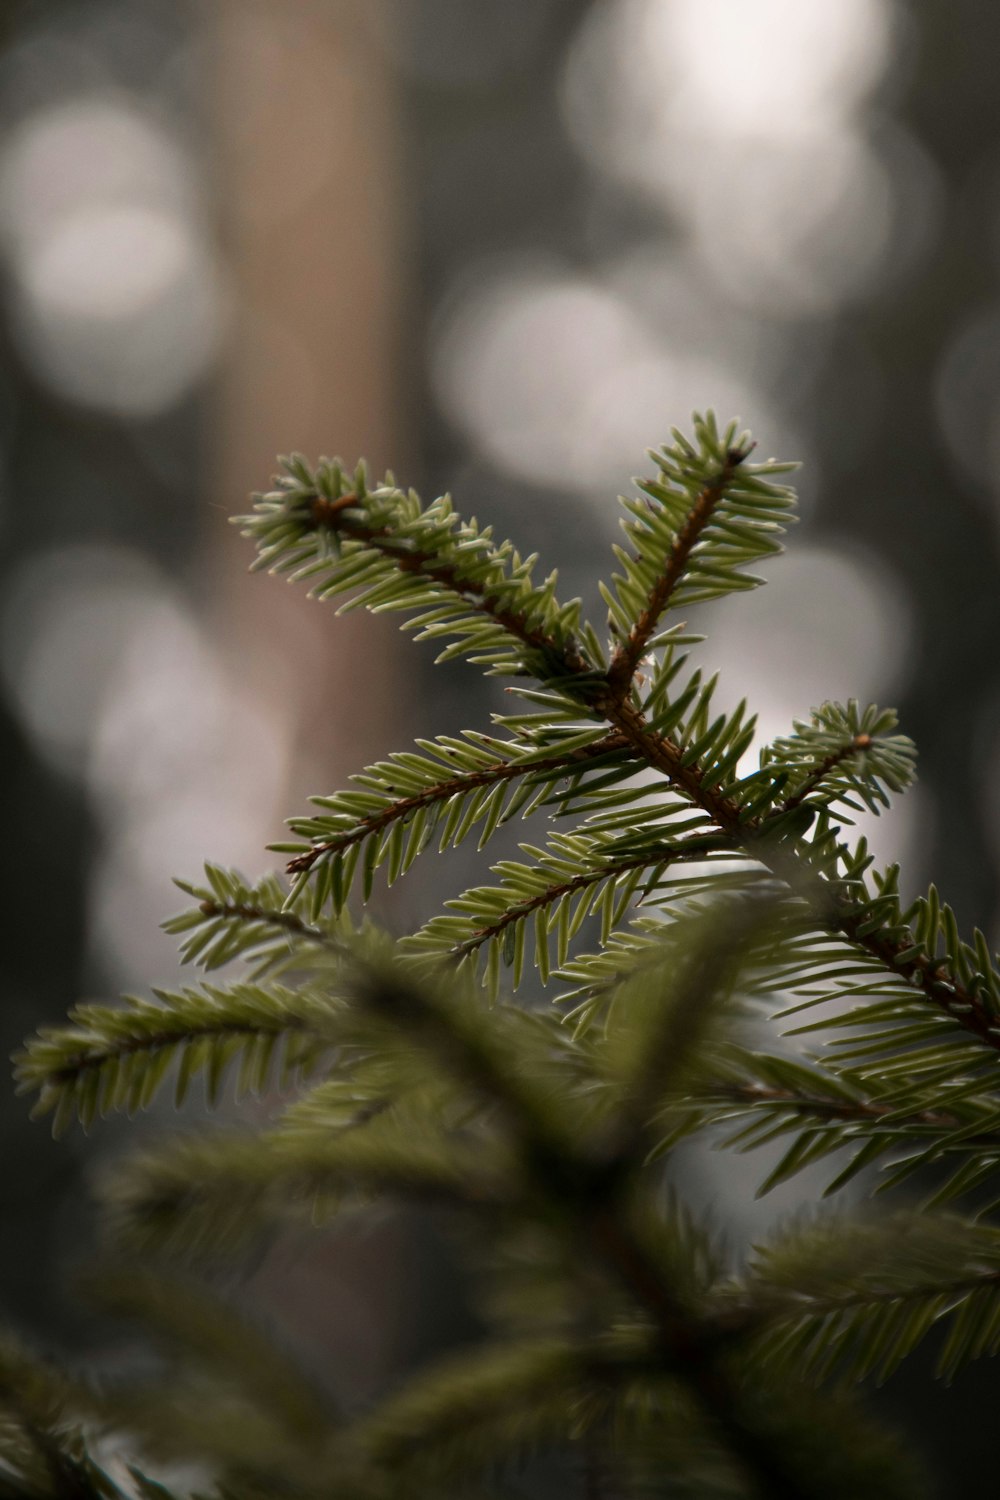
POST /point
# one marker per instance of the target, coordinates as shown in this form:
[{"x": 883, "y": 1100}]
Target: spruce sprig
[{"x": 713, "y": 894}]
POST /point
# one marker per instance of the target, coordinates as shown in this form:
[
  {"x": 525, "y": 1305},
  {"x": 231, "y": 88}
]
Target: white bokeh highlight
[
  {"x": 552, "y": 376},
  {"x": 746, "y": 126},
  {"x": 778, "y": 67},
  {"x": 184, "y": 760},
  {"x": 66, "y": 617},
  {"x": 121, "y": 688},
  {"x": 117, "y": 301}
]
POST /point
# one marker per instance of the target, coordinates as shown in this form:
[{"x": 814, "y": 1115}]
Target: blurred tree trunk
[{"x": 307, "y": 178}]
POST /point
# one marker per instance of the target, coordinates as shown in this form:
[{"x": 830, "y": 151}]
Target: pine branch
[
  {"x": 560, "y": 662},
  {"x": 234, "y": 920},
  {"x": 541, "y": 1139},
  {"x": 385, "y": 551},
  {"x": 852, "y": 1111},
  {"x": 593, "y": 1187},
  {"x": 814, "y": 780},
  {"x": 963, "y": 1003},
  {"x": 211, "y": 1198},
  {"x": 695, "y": 848},
  {"x": 515, "y": 1395},
  {"x": 702, "y": 520},
  {"x": 116, "y": 1058},
  {"x": 630, "y": 652},
  {"x": 593, "y": 1190},
  {"x": 663, "y": 754},
  {"x": 843, "y": 754},
  {"x": 267, "y": 917},
  {"x": 823, "y": 1124},
  {"x": 448, "y": 790},
  {"x": 857, "y": 1298},
  {"x": 342, "y": 517}
]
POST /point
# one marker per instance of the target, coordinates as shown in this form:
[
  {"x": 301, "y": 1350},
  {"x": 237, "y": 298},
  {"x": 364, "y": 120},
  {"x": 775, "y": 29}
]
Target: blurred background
[{"x": 500, "y": 247}]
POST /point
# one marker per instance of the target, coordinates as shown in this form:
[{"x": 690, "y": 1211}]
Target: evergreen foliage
[{"x": 622, "y": 1344}]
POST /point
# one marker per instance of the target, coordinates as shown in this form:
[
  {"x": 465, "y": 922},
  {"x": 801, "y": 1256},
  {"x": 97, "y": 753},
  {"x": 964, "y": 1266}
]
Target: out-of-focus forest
[{"x": 499, "y": 247}]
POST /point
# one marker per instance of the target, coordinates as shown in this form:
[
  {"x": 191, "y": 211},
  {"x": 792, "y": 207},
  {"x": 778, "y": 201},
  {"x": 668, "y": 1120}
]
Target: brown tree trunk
[{"x": 307, "y": 179}]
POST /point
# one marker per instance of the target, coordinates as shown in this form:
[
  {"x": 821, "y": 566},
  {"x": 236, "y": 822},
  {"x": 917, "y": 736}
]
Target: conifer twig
[
  {"x": 244, "y": 911},
  {"x": 755, "y": 1317},
  {"x": 606, "y": 695},
  {"x": 449, "y": 787},
  {"x": 611, "y": 869},
  {"x": 337, "y": 516},
  {"x": 869, "y": 1110},
  {"x": 630, "y": 651},
  {"x": 860, "y": 743},
  {"x": 961, "y": 1003}
]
